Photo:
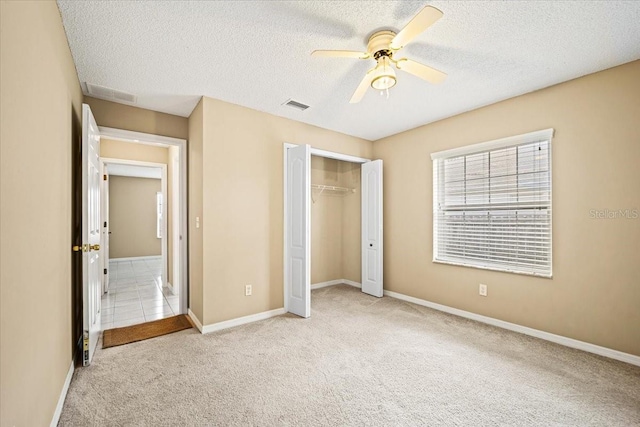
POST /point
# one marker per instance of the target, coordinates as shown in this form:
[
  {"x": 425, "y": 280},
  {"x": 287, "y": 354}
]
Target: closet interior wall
[{"x": 335, "y": 221}]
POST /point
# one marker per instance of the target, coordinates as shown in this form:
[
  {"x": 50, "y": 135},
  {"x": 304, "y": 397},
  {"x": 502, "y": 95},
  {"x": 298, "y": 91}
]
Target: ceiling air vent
[
  {"x": 110, "y": 94},
  {"x": 295, "y": 104}
]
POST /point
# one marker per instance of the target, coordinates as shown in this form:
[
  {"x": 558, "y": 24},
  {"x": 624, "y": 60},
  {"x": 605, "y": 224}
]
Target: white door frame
[
  {"x": 104, "y": 219},
  {"x": 165, "y": 141},
  {"x": 163, "y": 189},
  {"x": 314, "y": 152},
  {"x": 174, "y": 197}
]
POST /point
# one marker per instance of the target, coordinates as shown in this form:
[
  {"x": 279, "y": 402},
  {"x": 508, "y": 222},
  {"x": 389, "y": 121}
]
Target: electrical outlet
[
  {"x": 482, "y": 290},
  {"x": 247, "y": 290}
]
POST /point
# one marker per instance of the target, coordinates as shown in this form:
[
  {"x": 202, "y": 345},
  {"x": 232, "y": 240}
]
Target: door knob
[{"x": 94, "y": 247}]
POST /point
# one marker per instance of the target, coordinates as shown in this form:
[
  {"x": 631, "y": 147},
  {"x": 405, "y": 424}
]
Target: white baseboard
[
  {"x": 63, "y": 396},
  {"x": 242, "y": 320},
  {"x": 558, "y": 339},
  {"x": 195, "y": 320},
  {"x": 352, "y": 283},
  {"x": 136, "y": 258},
  {"x": 335, "y": 282},
  {"x": 325, "y": 284}
]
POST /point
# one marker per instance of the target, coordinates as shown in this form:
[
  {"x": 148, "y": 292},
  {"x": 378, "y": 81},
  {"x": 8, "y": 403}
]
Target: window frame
[{"x": 512, "y": 141}]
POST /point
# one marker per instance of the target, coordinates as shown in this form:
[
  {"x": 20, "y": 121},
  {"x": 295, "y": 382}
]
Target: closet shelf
[{"x": 323, "y": 188}]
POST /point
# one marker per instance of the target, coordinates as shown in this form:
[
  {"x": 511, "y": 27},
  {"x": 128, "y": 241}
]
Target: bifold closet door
[
  {"x": 298, "y": 290},
  {"x": 372, "y": 228}
]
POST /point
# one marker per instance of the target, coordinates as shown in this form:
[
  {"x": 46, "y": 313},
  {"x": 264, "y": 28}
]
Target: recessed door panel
[
  {"x": 298, "y": 282},
  {"x": 372, "y": 228}
]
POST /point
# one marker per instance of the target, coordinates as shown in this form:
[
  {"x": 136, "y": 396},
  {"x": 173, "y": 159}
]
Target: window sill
[{"x": 502, "y": 270}]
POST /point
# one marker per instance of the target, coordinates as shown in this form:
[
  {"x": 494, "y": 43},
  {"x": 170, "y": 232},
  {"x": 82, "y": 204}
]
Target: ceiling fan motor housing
[{"x": 379, "y": 43}]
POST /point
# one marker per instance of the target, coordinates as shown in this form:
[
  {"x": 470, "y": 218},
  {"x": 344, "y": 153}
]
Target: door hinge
[
  {"x": 105, "y": 271},
  {"x": 104, "y": 177},
  {"x": 105, "y": 224}
]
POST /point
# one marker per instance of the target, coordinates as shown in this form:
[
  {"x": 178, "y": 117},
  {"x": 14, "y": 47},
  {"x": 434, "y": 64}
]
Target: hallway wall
[{"x": 132, "y": 217}]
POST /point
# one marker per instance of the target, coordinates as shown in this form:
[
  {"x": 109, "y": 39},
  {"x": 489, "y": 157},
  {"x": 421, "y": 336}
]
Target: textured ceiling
[{"x": 257, "y": 54}]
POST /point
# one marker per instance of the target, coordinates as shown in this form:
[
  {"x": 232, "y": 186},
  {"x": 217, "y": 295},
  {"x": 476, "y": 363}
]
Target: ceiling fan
[{"x": 382, "y": 47}]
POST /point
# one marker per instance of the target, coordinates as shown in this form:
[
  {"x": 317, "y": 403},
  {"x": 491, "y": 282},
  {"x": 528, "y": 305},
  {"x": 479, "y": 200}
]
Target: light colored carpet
[{"x": 358, "y": 360}]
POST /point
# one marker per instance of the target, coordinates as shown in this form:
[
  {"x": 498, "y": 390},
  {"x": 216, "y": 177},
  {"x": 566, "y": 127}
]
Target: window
[
  {"x": 492, "y": 205},
  {"x": 159, "y": 215}
]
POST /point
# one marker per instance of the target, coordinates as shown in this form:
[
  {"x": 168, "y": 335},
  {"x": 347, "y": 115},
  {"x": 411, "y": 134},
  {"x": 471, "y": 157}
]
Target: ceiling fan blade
[
  {"x": 362, "y": 87},
  {"x": 423, "y": 20},
  {"x": 420, "y": 70},
  {"x": 340, "y": 54}
]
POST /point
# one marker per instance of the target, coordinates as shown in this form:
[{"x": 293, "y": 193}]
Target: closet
[
  {"x": 335, "y": 222},
  {"x": 332, "y": 224}
]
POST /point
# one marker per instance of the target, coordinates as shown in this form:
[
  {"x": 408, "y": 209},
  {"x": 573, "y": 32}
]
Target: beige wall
[
  {"x": 195, "y": 189},
  {"x": 40, "y": 116},
  {"x": 113, "y": 149},
  {"x": 594, "y": 294},
  {"x": 326, "y": 222},
  {"x": 119, "y": 116},
  {"x": 242, "y": 204},
  {"x": 132, "y": 217},
  {"x": 335, "y": 221}
]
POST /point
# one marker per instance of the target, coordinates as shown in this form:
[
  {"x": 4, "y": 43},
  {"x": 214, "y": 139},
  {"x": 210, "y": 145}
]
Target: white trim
[
  {"x": 242, "y": 320},
  {"x": 138, "y": 137},
  {"x": 338, "y": 156},
  {"x": 509, "y": 141},
  {"x": 352, "y": 283},
  {"x": 133, "y": 162},
  {"x": 320, "y": 285},
  {"x": 63, "y": 396},
  {"x": 336, "y": 282},
  {"x": 285, "y": 252},
  {"x": 491, "y": 268},
  {"x": 331, "y": 154},
  {"x": 135, "y": 258},
  {"x": 195, "y": 320},
  {"x": 558, "y": 339}
]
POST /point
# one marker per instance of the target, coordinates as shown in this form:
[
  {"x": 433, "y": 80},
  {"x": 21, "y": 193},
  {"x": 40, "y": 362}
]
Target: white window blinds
[{"x": 492, "y": 204}]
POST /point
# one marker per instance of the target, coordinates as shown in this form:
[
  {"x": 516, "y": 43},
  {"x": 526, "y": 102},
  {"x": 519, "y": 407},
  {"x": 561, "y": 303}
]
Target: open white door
[
  {"x": 372, "y": 228},
  {"x": 104, "y": 246},
  {"x": 298, "y": 280},
  {"x": 91, "y": 235}
]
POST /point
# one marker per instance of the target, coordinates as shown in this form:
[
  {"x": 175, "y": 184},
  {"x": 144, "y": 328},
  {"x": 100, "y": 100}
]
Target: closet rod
[{"x": 332, "y": 188}]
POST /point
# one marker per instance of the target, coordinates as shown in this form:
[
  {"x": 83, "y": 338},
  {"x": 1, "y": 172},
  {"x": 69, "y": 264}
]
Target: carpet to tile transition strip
[{"x": 143, "y": 331}]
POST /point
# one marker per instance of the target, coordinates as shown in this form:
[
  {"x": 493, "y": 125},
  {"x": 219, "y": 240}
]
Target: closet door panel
[
  {"x": 298, "y": 280},
  {"x": 372, "y": 228}
]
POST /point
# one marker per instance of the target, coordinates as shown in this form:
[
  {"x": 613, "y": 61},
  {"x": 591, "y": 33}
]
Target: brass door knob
[{"x": 94, "y": 247}]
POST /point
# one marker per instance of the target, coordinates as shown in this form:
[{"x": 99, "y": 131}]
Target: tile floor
[{"x": 136, "y": 294}]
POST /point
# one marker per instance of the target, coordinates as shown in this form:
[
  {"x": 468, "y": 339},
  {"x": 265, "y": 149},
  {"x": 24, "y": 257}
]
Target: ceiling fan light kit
[
  {"x": 384, "y": 77},
  {"x": 382, "y": 46}
]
